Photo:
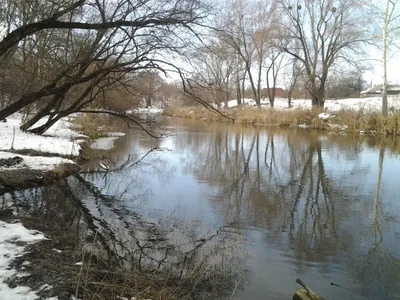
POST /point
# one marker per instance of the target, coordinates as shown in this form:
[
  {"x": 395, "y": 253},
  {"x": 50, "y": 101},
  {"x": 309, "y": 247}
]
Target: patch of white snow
[
  {"x": 105, "y": 143},
  {"x": 12, "y": 238},
  {"x": 149, "y": 110},
  {"x": 58, "y": 139},
  {"x": 118, "y": 134},
  {"x": 34, "y": 162}
]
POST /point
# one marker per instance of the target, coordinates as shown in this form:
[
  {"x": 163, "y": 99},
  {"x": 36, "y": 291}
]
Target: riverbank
[
  {"x": 94, "y": 247},
  {"x": 29, "y": 161},
  {"x": 349, "y": 120}
]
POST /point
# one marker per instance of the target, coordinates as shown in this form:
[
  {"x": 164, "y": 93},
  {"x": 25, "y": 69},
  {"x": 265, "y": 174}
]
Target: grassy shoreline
[{"x": 344, "y": 120}]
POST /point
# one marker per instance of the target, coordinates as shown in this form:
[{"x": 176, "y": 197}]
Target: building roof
[{"x": 377, "y": 89}]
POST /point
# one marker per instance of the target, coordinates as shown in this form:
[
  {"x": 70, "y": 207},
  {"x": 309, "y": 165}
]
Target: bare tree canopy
[
  {"x": 327, "y": 32},
  {"x": 75, "y": 50}
]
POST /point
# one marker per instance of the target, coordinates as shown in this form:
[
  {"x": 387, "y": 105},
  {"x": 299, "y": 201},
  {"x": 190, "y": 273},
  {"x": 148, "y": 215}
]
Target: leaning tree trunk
[
  {"x": 43, "y": 128},
  {"x": 41, "y": 114}
]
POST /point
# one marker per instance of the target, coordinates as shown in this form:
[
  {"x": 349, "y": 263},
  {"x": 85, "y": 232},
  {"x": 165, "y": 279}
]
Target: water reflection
[
  {"x": 277, "y": 204},
  {"x": 99, "y": 222},
  {"x": 305, "y": 199}
]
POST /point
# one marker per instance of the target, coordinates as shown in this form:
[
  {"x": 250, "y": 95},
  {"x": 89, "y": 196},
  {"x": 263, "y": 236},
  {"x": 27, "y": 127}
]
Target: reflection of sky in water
[{"x": 188, "y": 182}]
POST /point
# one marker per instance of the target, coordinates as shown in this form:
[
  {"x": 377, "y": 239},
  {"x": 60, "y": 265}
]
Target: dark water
[{"x": 272, "y": 205}]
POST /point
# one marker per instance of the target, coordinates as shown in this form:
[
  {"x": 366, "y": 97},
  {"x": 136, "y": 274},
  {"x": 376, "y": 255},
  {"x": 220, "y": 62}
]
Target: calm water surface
[{"x": 296, "y": 204}]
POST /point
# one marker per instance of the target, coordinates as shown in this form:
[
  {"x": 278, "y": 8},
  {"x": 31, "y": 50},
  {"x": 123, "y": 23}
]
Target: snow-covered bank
[
  {"x": 13, "y": 240},
  {"x": 25, "y": 171},
  {"x": 148, "y": 110},
  {"x": 33, "y": 162},
  {"x": 104, "y": 143},
  {"x": 57, "y": 140},
  {"x": 370, "y": 104}
]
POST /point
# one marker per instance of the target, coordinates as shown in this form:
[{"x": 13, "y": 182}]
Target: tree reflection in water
[
  {"x": 190, "y": 263},
  {"x": 309, "y": 193}
]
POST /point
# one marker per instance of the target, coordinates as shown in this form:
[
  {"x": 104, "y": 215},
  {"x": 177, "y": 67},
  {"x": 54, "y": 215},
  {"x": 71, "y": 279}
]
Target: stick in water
[{"x": 351, "y": 291}]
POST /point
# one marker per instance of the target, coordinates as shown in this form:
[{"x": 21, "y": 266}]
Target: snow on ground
[
  {"x": 34, "y": 162},
  {"x": 370, "y": 104},
  {"x": 149, "y": 110},
  {"x": 246, "y": 101},
  {"x": 13, "y": 239},
  {"x": 105, "y": 143},
  {"x": 115, "y": 134},
  {"x": 325, "y": 116},
  {"x": 58, "y": 139}
]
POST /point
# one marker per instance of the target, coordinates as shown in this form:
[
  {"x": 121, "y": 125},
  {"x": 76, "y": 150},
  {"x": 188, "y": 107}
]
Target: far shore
[{"x": 342, "y": 120}]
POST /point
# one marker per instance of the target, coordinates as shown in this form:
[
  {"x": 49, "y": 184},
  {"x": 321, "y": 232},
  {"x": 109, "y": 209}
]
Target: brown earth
[{"x": 26, "y": 178}]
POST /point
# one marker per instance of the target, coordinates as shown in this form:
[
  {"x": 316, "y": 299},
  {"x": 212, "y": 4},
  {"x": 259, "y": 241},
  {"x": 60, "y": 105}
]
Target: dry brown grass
[
  {"x": 101, "y": 280},
  {"x": 92, "y": 125},
  {"x": 64, "y": 170},
  {"x": 97, "y": 282},
  {"x": 351, "y": 121},
  {"x": 281, "y": 118}
]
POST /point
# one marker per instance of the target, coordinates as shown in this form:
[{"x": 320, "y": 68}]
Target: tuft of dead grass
[
  {"x": 98, "y": 278},
  {"x": 351, "y": 121},
  {"x": 92, "y": 125}
]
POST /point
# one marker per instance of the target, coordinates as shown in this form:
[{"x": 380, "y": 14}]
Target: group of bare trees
[
  {"x": 259, "y": 42},
  {"x": 296, "y": 44},
  {"x": 59, "y": 57},
  {"x": 243, "y": 51}
]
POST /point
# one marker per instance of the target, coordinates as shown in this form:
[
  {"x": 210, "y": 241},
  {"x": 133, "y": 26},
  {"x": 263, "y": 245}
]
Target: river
[{"x": 267, "y": 205}]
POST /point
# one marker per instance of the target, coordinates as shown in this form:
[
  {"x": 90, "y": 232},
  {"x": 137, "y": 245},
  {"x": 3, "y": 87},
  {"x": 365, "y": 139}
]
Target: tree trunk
[
  {"x": 32, "y": 121},
  {"x": 317, "y": 95},
  {"x": 226, "y": 96},
  {"x": 12, "y": 108},
  {"x": 384, "y": 59},
  {"x": 43, "y": 128},
  {"x": 41, "y": 114},
  {"x": 238, "y": 93},
  {"x": 148, "y": 101},
  {"x": 243, "y": 87},
  {"x": 314, "y": 100}
]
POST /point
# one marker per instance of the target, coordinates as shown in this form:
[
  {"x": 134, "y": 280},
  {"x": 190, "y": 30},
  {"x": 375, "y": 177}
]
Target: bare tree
[
  {"x": 327, "y": 32},
  {"x": 275, "y": 59},
  {"x": 247, "y": 30},
  {"x": 390, "y": 17},
  {"x": 146, "y": 86},
  {"x": 346, "y": 84},
  {"x": 294, "y": 71},
  {"x": 214, "y": 70}
]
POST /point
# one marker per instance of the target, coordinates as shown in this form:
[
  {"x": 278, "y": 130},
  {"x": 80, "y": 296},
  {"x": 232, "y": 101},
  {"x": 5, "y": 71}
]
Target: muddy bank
[{"x": 24, "y": 178}]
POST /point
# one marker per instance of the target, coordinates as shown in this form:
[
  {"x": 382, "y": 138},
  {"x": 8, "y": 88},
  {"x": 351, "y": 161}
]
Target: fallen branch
[{"x": 306, "y": 293}]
